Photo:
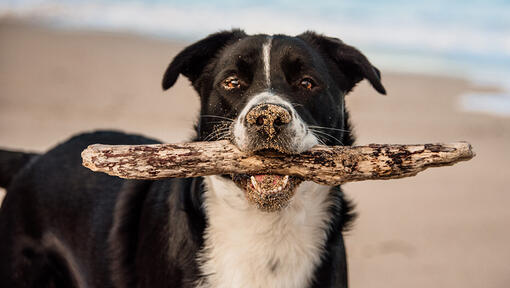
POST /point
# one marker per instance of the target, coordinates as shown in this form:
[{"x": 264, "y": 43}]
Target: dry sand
[{"x": 447, "y": 227}]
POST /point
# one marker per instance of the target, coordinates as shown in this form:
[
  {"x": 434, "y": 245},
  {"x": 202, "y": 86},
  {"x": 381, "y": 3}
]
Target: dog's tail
[{"x": 11, "y": 162}]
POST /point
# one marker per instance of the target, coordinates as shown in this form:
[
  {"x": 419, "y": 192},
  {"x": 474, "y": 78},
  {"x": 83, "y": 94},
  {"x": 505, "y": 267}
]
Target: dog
[{"x": 62, "y": 225}]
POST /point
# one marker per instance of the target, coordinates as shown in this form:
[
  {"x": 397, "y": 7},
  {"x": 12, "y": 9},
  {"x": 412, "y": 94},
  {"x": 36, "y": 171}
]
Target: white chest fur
[{"x": 245, "y": 247}]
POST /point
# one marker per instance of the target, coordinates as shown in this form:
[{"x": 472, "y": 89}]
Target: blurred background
[{"x": 74, "y": 66}]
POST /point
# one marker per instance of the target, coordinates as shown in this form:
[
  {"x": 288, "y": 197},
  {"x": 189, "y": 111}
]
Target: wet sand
[{"x": 446, "y": 227}]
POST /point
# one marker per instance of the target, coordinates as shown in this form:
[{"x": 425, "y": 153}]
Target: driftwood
[{"x": 322, "y": 164}]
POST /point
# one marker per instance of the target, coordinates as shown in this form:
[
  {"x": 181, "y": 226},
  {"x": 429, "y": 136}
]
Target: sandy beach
[{"x": 447, "y": 227}]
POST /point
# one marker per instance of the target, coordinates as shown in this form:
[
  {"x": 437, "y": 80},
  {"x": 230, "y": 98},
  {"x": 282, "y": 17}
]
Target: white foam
[{"x": 492, "y": 103}]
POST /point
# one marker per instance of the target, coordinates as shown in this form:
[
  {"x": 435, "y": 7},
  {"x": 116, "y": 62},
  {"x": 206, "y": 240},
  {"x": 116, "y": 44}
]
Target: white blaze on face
[{"x": 266, "y": 56}]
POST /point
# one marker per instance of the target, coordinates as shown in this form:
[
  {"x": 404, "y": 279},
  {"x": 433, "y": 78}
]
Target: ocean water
[{"x": 462, "y": 38}]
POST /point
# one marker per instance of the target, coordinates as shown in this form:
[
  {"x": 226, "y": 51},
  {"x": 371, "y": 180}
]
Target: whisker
[
  {"x": 326, "y": 138},
  {"x": 211, "y": 137},
  {"x": 327, "y": 135},
  {"x": 321, "y": 141},
  {"x": 328, "y": 128},
  {"x": 225, "y": 136},
  {"x": 216, "y": 133},
  {"x": 320, "y": 138},
  {"x": 297, "y": 104},
  {"x": 219, "y": 117},
  {"x": 222, "y": 122}
]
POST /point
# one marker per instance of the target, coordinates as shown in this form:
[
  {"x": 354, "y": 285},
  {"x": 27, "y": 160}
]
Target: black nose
[{"x": 269, "y": 118}]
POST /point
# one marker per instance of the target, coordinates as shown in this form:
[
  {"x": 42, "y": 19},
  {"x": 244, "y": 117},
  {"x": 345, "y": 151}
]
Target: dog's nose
[{"x": 270, "y": 118}]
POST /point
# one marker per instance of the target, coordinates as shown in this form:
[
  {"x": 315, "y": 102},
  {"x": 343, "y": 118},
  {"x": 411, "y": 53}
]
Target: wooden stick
[{"x": 330, "y": 165}]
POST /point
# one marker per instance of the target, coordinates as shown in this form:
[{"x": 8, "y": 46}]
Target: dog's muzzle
[{"x": 268, "y": 129}]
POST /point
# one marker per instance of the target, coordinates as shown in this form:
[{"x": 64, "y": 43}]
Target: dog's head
[{"x": 272, "y": 94}]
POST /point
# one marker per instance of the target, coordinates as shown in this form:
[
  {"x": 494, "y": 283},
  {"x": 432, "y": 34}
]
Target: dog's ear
[
  {"x": 191, "y": 61},
  {"x": 351, "y": 62}
]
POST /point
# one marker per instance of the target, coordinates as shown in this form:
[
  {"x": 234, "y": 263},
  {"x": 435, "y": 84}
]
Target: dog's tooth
[
  {"x": 280, "y": 188},
  {"x": 285, "y": 180},
  {"x": 254, "y": 182}
]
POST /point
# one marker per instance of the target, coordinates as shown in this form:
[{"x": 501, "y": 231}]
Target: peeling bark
[{"x": 330, "y": 165}]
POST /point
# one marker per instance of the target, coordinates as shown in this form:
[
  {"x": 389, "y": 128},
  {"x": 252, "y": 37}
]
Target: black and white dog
[{"x": 62, "y": 225}]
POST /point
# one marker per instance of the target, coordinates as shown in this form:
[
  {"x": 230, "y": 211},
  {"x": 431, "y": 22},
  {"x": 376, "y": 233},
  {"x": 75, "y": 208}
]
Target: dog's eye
[
  {"x": 307, "y": 83},
  {"x": 231, "y": 82}
]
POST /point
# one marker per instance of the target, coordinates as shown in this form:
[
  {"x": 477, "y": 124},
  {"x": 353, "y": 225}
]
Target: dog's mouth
[{"x": 268, "y": 192}]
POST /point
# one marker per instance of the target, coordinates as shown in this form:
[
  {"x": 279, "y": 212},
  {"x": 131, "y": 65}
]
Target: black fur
[
  {"x": 192, "y": 60},
  {"x": 62, "y": 225},
  {"x": 351, "y": 63},
  {"x": 117, "y": 230},
  {"x": 11, "y": 162}
]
